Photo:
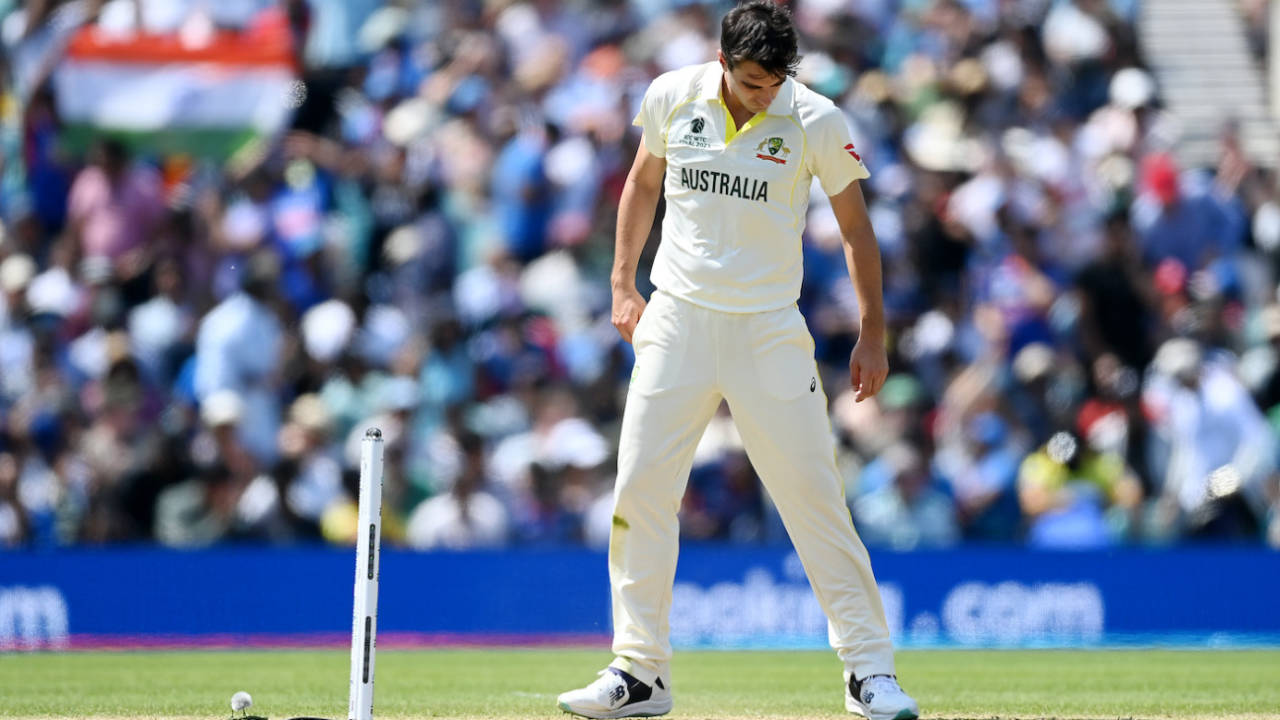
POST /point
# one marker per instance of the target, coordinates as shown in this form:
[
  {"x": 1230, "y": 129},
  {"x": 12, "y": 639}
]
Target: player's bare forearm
[
  {"x": 863, "y": 258},
  {"x": 635, "y": 220},
  {"x": 636, "y": 209},
  {"x": 869, "y": 364}
]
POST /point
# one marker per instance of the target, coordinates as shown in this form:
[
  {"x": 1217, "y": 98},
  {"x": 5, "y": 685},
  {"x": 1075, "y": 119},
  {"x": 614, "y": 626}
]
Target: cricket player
[{"x": 739, "y": 142}]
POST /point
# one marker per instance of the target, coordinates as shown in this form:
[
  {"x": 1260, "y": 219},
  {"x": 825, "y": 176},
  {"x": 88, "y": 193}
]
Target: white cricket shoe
[
  {"x": 879, "y": 697},
  {"x": 615, "y": 694}
]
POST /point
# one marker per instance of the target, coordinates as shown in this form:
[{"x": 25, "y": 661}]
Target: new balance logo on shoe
[
  {"x": 617, "y": 694},
  {"x": 879, "y": 697}
]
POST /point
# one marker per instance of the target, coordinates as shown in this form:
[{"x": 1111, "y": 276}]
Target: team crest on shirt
[{"x": 777, "y": 149}]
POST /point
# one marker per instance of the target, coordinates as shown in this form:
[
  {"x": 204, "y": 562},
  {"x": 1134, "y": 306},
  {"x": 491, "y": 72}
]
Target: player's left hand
[{"x": 868, "y": 367}]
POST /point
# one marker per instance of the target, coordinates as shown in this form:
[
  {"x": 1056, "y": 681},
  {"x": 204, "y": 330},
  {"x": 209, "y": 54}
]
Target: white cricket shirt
[{"x": 736, "y": 197}]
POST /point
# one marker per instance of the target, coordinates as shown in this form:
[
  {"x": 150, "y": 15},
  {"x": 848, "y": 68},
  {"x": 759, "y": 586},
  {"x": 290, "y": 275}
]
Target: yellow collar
[{"x": 709, "y": 89}]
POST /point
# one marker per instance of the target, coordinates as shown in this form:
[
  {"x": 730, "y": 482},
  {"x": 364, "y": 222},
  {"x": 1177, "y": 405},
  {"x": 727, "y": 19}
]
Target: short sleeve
[
  {"x": 834, "y": 159},
  {"x": 652, "y": 118}
]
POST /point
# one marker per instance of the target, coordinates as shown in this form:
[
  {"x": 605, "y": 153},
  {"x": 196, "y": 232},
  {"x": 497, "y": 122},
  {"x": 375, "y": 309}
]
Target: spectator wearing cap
[
  {"x": 1074, "y": 497},
  {"x": 981, "y": 469},
  {"x": 572, "y": 456},
  {"x": 1076, "y": 37},
  {"x": 199, "y": 511},
  {"x": 17, "y": 343},
  {"x": 1173, "y": 297},
  {"x": 414, "y": 463},
  {"x": 222, "y": 413},
  {"x": 549, "y": 474},
  {"x": 345, "y": 383},
  {"x": 543, "y": 517},
  {"x": 311, "y": 477},
  {"x": 55, "y": 294},
  {"x": 1192, "y": 228},
  {"x": 1042, "y": 388},
  {"x": 162, "y": 329},
  {"x": 465, "y": 517},
  {"x": 16, "y": 272},
  {"x": 1221, "y": 451},
  {"x": 120, "y": 443},
  {"x": 1111, "y": 418},
  {"x": 238, "y": 348},
  {"x": 205, "y": 508},
  {"x": 911, "y": 512}
]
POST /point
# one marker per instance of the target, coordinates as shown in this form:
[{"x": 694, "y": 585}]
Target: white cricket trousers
[{"x": 687, "y": 359}]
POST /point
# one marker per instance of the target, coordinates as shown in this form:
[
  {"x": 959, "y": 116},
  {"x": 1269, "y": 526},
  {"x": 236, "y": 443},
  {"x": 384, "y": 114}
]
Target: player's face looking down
[{"x": 750, "y": 85}]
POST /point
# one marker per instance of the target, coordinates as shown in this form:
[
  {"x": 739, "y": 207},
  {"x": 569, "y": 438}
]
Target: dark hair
[{"x": 760, "y": 31}]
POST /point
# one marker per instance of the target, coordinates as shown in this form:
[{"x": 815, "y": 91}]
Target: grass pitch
[{"x": 708, "y": 685}]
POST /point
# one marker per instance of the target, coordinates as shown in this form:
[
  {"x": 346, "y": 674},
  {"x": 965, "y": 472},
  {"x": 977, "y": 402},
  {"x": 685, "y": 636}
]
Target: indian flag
[{"x": 172, "y": 95}]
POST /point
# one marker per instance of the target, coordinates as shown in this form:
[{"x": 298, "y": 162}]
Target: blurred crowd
[{"x": 1084, "y": 336}]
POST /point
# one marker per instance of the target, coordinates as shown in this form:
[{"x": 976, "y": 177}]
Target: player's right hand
[{"x": 628, "y": 306}]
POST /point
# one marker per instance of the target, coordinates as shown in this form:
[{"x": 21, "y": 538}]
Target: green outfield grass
[{"x": 524, "y": 683}]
